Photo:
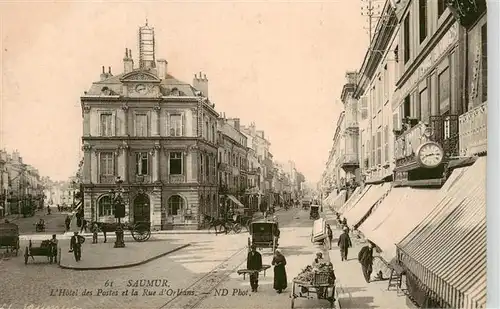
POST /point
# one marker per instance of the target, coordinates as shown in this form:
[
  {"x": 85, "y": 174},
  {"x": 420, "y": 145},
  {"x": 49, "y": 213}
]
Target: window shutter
[
  {"x": 167, "y": 123},
  {"x": 113, "y": 124},
  {"x": 183, "y": 123}
]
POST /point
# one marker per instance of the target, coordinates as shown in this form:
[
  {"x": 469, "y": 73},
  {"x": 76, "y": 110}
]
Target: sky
[{"x": 279, "y": 64}]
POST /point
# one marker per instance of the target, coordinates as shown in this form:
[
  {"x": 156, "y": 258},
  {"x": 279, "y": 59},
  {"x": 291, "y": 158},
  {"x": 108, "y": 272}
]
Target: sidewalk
[
  {"x": 102, "y": 256},
  {"x": 352, "y": 289}
]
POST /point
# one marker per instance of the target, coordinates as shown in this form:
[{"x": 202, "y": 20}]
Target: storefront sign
[{"x": 450, "y": 38}]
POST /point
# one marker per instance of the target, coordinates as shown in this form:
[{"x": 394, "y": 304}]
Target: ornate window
[
  {"x": 141, "y": 160},
  {"x": 141, "y": 125},
  {"x": 176, "y": 125},
  {"x": 106, "y": 163},
  {"x": 175, "y": 163},
  {"x": 106, "y": 122},
  {"x": 106, "y": 206},
  {"x": 175, "y": 205}
]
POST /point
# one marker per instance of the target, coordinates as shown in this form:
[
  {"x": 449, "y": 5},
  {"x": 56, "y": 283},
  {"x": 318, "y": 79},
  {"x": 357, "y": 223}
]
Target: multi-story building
[
  {"x": 253, "y": 192},
  {"x": 261, "y": 147},
  {"x": 232, "y": 164},
  {"x": 157, "y": 134},
  {"x": 4, "y": 183}
]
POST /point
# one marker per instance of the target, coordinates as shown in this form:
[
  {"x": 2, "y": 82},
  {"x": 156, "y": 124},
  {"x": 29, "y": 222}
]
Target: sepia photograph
[{"x": 244, "y": 154}]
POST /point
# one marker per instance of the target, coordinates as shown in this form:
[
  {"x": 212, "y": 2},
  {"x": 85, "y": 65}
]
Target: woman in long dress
[{"x": 279, "y": 263}]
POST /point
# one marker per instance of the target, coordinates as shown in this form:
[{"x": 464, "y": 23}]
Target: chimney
[
  {"x": 162, "y": 68},
  {"x": 128, "y": 62},
  {"x": 236, "y": 122},
  {"x": 109, "y": 72},
  {"x": 103, "y": 74},
  {"x": 201, "y": 84}
]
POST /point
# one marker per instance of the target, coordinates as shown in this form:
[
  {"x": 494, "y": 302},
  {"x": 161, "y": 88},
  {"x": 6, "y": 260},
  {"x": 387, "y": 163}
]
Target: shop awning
[
  {"x": 447, "y": 251},
  {"x": 339, "y": 200},
  {"x": 235, "y": 200},
  {"x": 400, "y": 212},
  {"x": 354, "y": 198},
  {"x": 363, "y": 206}
]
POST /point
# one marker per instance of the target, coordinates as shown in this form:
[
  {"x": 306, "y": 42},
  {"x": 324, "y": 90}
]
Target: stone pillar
[
  {"x": 121, "y": 115},
  {"x": 93, "y": 167},
  {"x": 155, "y": 209},
  {"x": 124, "y": 128},
  {"x": 156, "y": 163},
  {"x": 87, "y": 163},
  {"x": 124, "y": 167},
  {"x": 189, "y": 122},
  {"x": 88, "y": 212},
  {"x": 155, "y": 121},
  {"x": 189, "y": 166},
  {"x": 86, "y": 120}
]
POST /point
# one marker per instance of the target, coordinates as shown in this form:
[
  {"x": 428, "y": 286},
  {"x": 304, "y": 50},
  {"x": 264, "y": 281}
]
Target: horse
[
  {"x": 214, "y": 223},
  {"x": 104, "y": 227}
]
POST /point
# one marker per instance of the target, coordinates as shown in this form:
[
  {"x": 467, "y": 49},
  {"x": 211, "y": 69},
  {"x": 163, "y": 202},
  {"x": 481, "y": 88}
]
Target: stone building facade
[{"x": 158, "y": 135}]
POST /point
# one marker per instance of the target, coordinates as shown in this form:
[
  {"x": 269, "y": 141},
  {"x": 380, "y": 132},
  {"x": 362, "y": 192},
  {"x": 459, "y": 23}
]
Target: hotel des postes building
[{"x": 158, "y": 134}]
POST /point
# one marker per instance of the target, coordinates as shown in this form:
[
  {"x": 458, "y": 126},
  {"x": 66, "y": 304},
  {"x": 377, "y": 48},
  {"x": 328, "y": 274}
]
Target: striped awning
[
  {"x": 361, "y": 208},
  {"x": 447, "y": 251},
  {"x": 354, "y": 198},
  {"x": 400, "y": 212},
  {"x": 339, "y": 200}
]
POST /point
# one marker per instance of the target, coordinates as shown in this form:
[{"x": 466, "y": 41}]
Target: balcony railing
[
  {"x": 177, "y": 178},
  {"x": 473, "y": 131},
  {"x": 142, "y": 178},
  {"x": 349, "y": 159},
  {"x": 107, "y": 179},
  {"x": 442, "y": 130}
]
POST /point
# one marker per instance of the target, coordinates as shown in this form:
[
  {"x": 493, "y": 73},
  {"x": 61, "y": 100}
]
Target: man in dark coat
[
  {"x": 67, "y": 223},
  {"x": 330, "y": 236},
  {"x": 344, "y": 244},
  {"x": 254, "y": 262},
  {"x": 76, "y": 246},
  {"x": 365, "y": 257}
]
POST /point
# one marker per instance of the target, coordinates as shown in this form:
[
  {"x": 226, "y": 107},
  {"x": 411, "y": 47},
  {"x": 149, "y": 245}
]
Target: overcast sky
[{"x": 281, "y": 65}]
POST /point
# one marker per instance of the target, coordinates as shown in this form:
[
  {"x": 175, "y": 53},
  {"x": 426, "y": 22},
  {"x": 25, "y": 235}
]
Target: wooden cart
[
  {"x": 46, "y": 249},
  {"x": 9, "y": 237},
  {"x": 248, "y": 271},
  {"x": 323, "y": 285}
]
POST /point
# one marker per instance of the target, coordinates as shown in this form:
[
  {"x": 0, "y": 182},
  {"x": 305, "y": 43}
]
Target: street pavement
[
  {"x": 181, "y": 273},
  {"x": 54, "y": 223},
  {"x": 353, "y": 291}
]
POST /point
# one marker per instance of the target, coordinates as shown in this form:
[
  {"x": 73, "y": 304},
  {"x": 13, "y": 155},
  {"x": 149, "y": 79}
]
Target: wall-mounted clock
[
  {"x": 142, "y": 89},
  {"x": 429, "y": 154}
]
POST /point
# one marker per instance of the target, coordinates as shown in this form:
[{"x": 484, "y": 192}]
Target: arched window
[
  {"x": 105, "y": 206},
  {"x": 175, "y": 205}
]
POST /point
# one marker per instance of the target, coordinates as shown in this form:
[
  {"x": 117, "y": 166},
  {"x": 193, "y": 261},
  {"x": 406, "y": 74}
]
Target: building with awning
[
  {"x": 354, "y": 198},
  {"x": 357, "y": 213},
  {"x": 444, "y": 257}
]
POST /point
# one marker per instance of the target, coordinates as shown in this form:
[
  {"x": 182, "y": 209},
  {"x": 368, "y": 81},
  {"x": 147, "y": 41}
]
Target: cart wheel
[
  {"x": 26, "y": 256},
  {"x": 292, "y": 302},
  {"x": 237, "y": 228}
]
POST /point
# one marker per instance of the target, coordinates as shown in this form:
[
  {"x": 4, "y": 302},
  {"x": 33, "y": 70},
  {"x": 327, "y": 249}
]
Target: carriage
[
  {"x": 141, "y": 231},
  {"x": 314, "y": 212},
  {"x": 264, "y": 234},
  {"x": 46, "y": 248},
  {"x": 9, "y": 237}
]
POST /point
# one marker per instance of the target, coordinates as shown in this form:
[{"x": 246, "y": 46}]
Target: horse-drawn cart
[
  {"x": 141, "y": 231},
  {"x": 9, "y": 237},
  {"x": 264, "y": 234},
  {"x": 46, "y": 248}
]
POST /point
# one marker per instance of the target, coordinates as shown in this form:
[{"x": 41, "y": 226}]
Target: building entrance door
[{"x": 141, "y": 208}]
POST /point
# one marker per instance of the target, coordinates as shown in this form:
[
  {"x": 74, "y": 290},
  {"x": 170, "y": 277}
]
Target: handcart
[
  {"x": 47, "y": 249},
  {"x": 244, "y": 272},
  {"x": 322, "y": 284}
]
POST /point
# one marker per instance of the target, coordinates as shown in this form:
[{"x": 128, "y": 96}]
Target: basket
[{"x": 321, "y": 278}]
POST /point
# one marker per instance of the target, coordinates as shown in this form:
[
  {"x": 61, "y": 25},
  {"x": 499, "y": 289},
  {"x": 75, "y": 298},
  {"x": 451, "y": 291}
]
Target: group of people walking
[{"x": 254, "y": 262}]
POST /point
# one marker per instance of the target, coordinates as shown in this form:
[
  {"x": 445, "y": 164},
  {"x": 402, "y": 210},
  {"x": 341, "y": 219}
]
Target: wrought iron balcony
[
  {"x": 349, "y": 160},
  {"x": 442, "y": 130},
  {"x": 176, "y": 178},
  {"x": 142, "y": 178},
  {"x": 473, "y": 131},
  {"x": 107, "y": 179}
]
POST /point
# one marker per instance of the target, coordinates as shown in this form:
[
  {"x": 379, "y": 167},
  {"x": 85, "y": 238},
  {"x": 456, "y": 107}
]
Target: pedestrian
[
  {"x": 318, "y": 260},
  {"x": 76, "y": 246},
  {"x": 330, "y": 236},
  {"x": 344, "y": 244},
  {"x": 94, "y": 229},
  {"x": 279, "y": 262},
  {"x": 67, "y": 222},
  {"x": 254, "y": 262},
  {"x": 84, "y": 226},
  {"x": 365, "y": 257},
  {"x": 53, "y": 248}
]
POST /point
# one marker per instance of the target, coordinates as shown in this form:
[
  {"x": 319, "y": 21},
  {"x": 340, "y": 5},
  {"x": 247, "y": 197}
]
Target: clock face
[
  {"x": 430, "y": 154},
  {"x": 142, "y": 89}
]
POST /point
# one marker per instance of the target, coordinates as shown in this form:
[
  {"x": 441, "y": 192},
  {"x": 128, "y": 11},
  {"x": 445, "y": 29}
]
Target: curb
[{"x": 125, "y": 265}]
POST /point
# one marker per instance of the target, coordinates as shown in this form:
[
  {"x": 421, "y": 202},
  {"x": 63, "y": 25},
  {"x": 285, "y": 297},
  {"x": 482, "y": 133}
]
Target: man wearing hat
[
  {"x": 76, "y": 246},
  {"x": 344, "y": 244},
  {"x": 254, "y": 262}
]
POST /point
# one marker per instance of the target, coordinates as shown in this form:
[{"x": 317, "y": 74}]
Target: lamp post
[{"x": 119, "y": 209}]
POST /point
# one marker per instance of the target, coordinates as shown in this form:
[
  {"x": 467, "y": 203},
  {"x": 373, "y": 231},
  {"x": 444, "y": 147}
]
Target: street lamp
[{"x": 119, "y": 209}]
